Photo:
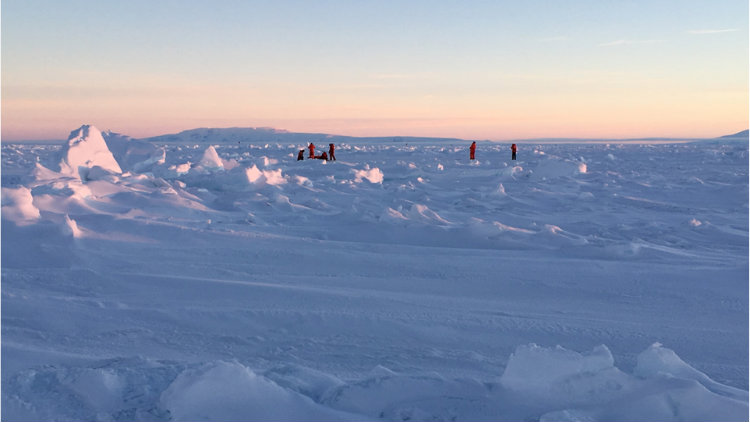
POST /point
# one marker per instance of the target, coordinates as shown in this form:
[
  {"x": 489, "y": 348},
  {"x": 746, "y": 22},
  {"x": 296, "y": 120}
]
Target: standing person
[
  {"x": 513, "y": 150},
  {"x": 330, "y": 152},
  {"x": 311, "y": 147},
  {"x": 472, "y": 149}
]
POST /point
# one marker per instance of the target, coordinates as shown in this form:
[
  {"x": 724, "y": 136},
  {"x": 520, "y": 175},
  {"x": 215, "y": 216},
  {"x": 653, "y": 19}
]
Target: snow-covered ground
[{"x": 228, "y": 281}]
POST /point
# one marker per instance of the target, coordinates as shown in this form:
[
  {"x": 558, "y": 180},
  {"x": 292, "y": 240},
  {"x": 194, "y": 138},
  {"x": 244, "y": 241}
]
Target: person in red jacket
[
  {"x": 513, "y": 150},
  {"x": 472, "y": 149},
  {"x": 311, "y": 147},
  {"x": 330, "y": 152}
]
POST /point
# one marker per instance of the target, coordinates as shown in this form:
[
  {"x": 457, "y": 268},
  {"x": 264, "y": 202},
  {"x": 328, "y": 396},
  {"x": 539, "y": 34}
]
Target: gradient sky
[{"x": 472, "y": 69}]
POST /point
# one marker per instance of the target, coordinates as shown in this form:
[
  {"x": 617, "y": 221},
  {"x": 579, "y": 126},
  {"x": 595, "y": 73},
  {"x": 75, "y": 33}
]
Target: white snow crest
[
  {"x": 506, "y": 228},
  {"x": 71, "y": 227},
  {"x": 211, "y": 160},
  {"x": 229, "y": 391},
  {"x": 274, "y": 177},
  {"x": 373, "y": 175},
  {"x": 181, "y": 169},
  {"x": 391, "y": 214},
  {"x": 425, "y": 214},
  {"x": 260, "y": 177},
  {"x": 18, "y": 205},
  {"x": 41, "y": 173},
  {"x": 86, "y": 148},
  {"x": 588, "y": 387}
]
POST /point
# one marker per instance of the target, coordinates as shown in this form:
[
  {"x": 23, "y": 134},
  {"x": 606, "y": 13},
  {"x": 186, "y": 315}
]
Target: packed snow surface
[{"x": 223, "y": 279}]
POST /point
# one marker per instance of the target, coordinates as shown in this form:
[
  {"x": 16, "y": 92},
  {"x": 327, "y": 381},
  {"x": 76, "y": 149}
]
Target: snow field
[{"x": 228, "y": 281}]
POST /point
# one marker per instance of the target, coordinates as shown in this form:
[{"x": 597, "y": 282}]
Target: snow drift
[{"x": 18, "y": 205}]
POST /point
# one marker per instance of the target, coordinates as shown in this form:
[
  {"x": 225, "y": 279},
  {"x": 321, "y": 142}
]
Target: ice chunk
[
  {"x": 532, "y": 367},
  {"x": 86, "y": 148},
  {"x": 373, "y": 175}
]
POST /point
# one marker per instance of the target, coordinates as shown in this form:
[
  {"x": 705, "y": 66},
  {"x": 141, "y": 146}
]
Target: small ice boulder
[
  {"x": 535, "y": 368},
  {"x": 18, "y": 205},
  {"x": 373, "y": 175},
  {"x": 211, "y": 159}
]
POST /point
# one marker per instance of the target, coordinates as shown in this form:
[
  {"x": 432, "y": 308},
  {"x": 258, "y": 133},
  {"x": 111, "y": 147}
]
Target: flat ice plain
[{"x": 205, "y": 276}]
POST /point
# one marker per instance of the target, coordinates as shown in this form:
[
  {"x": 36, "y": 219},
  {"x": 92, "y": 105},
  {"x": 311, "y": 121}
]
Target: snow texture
[{"x": 209, "y": 275}]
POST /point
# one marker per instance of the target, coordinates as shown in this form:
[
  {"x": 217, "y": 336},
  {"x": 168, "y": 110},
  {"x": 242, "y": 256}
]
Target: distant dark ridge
[
  {"x": 264, "y": 134},
  {"x": 745, "y": 134},
  {"x": 239, "y": 134}
]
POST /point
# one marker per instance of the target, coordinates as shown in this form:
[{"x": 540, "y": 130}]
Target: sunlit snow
[{"x": 210, "y": 275}]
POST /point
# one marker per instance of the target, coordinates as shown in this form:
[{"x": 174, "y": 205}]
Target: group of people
[
  {"x": 324, "y": 156},
  {"x": 332, "y": 156},
  {"x": 473, "y": 150}
]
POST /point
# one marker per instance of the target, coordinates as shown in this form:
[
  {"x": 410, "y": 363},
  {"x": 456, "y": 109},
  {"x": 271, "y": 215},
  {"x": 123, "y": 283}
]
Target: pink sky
[{"x": 493, "y": 70}]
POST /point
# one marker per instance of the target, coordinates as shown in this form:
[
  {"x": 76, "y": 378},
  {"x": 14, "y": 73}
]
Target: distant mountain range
[
  {"x": 266, "y": 134},
  {"x": 745, "y": 134}
]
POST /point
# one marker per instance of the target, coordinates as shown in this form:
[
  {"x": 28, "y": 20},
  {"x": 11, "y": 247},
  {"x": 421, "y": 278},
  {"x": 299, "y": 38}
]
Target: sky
[{"x": 496, "y": 70}]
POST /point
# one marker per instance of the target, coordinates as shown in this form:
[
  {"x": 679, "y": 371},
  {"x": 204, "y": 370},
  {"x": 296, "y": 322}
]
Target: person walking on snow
[
  {"x": 311, "y": 147},
  {"x": 472, "y": 149},
  {"x": 330, "y": 152},
  {"x": 513, "y": 150}
]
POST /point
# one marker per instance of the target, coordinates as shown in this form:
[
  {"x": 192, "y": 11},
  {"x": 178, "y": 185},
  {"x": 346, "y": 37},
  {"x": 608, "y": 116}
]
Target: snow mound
[
  {"x": 229, "y": 391},
  {"x": 86, "y": 148},
  {"x": 588, "y": 387},
  {"x": 18, "y": 205},
  {"x": 658, "y": 361},
  {"x": 261, "y": 177},
  {"x": 373, "y": 175}
]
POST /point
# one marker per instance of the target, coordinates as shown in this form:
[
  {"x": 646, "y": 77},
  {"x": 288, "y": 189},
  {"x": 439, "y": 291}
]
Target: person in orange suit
[
  {"x": 311, "y": 147},
  {"x": 331, "y": 148},
  {"x": 472, "y": 150},
  {"x": 513, "y": 150}
]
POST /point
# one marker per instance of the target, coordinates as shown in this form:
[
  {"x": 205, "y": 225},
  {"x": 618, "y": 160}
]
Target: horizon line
[{"x": 288, "y": 132}]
